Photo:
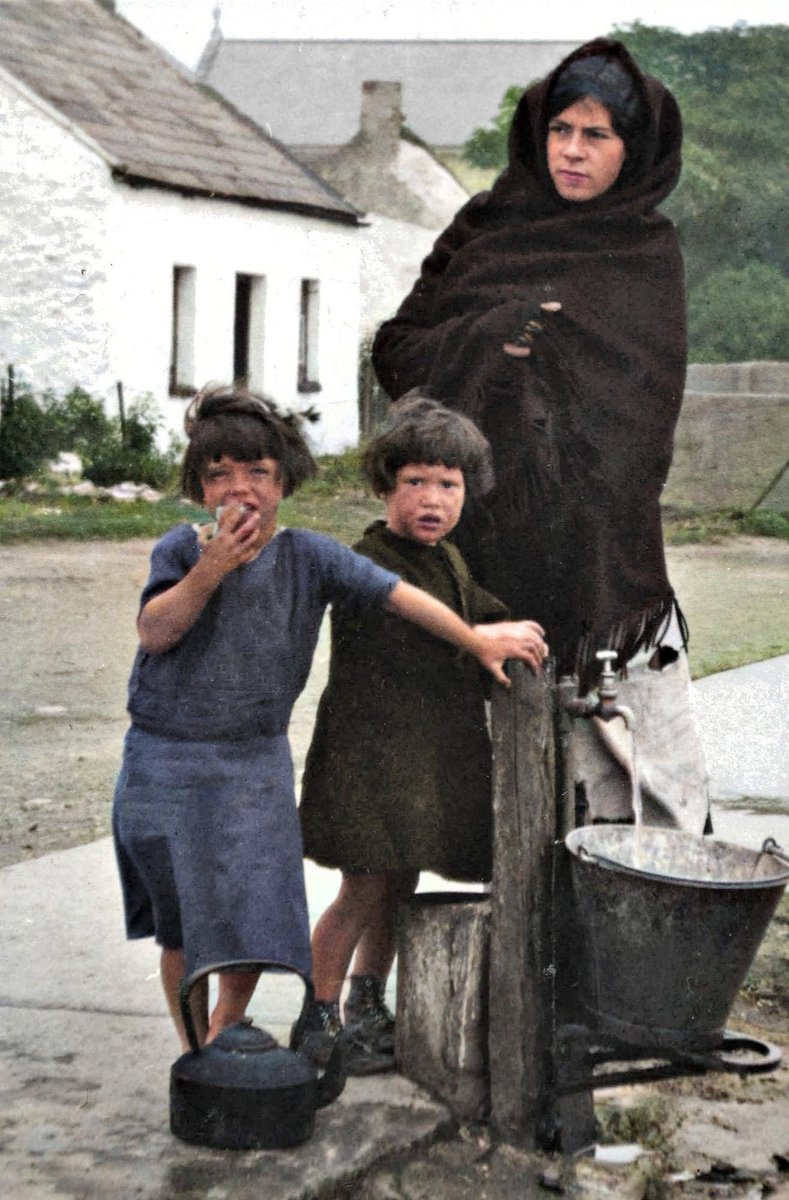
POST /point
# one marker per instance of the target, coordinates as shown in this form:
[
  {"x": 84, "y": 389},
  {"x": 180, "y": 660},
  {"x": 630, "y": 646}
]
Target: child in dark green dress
[{"x": 398, "y": 775}]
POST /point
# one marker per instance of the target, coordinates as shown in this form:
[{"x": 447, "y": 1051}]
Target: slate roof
[
  {"x": 308, "y": 91},
  {"x": 150, "y": 119}
]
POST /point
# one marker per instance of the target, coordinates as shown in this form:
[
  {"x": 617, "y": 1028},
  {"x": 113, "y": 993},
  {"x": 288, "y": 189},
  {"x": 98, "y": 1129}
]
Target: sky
[{"x": 184, "y": 26}]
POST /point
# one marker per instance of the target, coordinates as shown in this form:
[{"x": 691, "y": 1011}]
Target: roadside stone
[
  {"x": 67, "y": 465},
  {"x": 86, "y": 487},
  {"x": 127, "y": 492}
]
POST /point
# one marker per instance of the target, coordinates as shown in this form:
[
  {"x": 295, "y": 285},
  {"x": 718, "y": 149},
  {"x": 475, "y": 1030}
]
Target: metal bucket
[{"x": 672, "y": 924}]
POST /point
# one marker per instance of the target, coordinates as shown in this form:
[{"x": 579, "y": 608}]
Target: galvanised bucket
[{"x": 672, "y": 923}]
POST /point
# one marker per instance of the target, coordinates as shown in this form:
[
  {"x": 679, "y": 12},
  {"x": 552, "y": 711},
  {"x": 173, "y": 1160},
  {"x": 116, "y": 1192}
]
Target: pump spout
[{"x": 604, "y": 705}]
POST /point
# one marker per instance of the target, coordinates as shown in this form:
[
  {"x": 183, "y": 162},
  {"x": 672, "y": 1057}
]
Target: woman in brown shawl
[{"x": 552, "y": 310}]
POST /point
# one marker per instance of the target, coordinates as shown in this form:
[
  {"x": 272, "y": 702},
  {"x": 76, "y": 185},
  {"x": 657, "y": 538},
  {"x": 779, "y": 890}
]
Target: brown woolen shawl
[{"x": 581, "y": 431}]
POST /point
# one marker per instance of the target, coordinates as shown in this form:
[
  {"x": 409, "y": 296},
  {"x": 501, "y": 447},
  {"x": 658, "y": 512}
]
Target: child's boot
[
  {"x": 316, "y": 1037},
  {"x": 366, "y": 1014},
  {"x": 315, "y": 1033}
]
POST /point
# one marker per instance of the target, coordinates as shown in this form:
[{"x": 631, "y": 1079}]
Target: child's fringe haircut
[
  {"x": 237, "y": 423},
  {"x": 421, "y": 430}
]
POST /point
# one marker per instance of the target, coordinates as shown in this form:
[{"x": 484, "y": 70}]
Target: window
[
  {"x": 308, "y": 336},
  {"x": 248, "y": 331},
  {"x": 182, "y": 352}
]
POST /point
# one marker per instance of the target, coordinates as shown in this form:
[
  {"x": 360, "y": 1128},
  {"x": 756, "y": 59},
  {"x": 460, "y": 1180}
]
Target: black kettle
[{"x": 244, "y": 1091}]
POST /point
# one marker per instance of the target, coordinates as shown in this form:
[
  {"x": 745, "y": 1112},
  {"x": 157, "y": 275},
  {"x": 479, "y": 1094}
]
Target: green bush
[
  {"x": 112, "y": 462},
  {"x": 35, "y": 430},
  {"x": 487, "y": 146},
  {"x": 25, "y": 436},
  {"x": 740, "y": 315},
  {"x": 78, "y": 421},
  {"x": 131, "y": 453}
]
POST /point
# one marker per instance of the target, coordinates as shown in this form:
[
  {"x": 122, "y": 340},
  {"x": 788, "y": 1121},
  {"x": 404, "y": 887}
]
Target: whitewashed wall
[
  {"x": 150, "y": 231},
  {"x": 394, "y": 249},
  {"x": 54, "y": 193},
  {"x": 392, "y": 256},
  {"x": 86, "y": 280}
]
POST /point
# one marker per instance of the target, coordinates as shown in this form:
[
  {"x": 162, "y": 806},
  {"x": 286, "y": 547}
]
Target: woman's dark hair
[
  {"x": 233, "y": 422},
  {"x": 421, "y": 430},
  {"x": 605, "y": 78}
]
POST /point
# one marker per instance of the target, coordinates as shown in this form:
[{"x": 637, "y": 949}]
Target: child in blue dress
[{"x": 205, "y": 822}]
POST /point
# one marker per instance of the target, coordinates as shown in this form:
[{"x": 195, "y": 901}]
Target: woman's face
[{"x": 585, "y": 153}]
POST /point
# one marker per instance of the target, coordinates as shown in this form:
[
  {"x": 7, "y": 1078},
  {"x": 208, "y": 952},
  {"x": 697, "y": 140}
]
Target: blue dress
[{"x": 205, "y": 822}]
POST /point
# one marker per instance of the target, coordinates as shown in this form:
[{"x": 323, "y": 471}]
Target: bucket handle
[
  {"x": 188, "y": 982},
  {"x": 770, "y": 846},
  {"x": 583, "y": 853}
]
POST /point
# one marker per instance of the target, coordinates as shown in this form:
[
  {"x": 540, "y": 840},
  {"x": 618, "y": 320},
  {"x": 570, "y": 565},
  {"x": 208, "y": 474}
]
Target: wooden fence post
[{"x": 521, "y": 960}]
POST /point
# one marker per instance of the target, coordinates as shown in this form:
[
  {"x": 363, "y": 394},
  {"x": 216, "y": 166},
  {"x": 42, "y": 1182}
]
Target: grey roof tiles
[{"x": 149, "y": 117}]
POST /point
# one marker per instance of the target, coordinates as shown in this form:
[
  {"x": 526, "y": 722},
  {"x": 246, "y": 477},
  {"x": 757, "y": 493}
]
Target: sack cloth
[{"x": 668, "y": 754}]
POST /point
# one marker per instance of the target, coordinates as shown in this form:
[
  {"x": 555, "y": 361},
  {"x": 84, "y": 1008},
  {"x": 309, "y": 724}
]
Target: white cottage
[
  {"x": 420, "y": 101},
  {"x": 152, "y": 235}
]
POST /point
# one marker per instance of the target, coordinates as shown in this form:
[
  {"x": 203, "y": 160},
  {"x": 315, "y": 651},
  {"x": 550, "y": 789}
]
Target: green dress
[{"x": 398, "y": 775}]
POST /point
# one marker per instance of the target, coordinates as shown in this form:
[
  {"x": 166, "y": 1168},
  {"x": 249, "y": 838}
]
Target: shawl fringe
[{"x": 637, "y": 631}]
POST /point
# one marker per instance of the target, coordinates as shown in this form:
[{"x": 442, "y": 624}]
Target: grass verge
[
  {"x": 337, "y": 502},
  {"x": 683, "y": 528}
]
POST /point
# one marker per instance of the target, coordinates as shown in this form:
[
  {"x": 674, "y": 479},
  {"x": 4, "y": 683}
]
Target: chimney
[{"x": 382, "y": 117}]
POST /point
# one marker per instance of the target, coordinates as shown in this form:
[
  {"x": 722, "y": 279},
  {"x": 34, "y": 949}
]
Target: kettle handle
[
  {"x": 335, "y": 1076},
  {"x": 189, "y": 981}
]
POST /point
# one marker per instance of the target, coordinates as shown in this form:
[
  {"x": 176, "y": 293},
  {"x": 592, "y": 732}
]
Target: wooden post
[
  {"x": 121, "y": 411},
  {"x": 531, "y": 969},
  {"x": 521, "y": 960}
]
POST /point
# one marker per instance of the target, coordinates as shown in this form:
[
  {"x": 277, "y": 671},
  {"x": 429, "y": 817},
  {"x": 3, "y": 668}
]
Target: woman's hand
[
  {"x": 514, "y": 639},
  {"x": 520, "y": 346}
]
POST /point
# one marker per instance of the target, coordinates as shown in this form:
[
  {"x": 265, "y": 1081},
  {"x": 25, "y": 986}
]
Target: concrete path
[
  {"x": 86, "y": 1050},
  {"x": 85, "y": 1044},
  {"x": 743, "y": 720}
]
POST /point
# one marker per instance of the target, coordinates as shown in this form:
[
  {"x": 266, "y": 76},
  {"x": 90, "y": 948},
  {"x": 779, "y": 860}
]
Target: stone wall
[{"x": 732, "y": 438}]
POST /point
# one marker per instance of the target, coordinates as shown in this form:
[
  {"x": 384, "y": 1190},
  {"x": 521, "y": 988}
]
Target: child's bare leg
[
  {"x": 172, "y": 972},
  {"x": 235, "y": 992},
  {"x": 339, "y": 929},
  {"x": 377, "y": 945}
]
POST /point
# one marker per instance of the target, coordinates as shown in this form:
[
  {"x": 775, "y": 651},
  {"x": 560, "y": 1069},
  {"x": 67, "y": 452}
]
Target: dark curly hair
[
  {"x": 422, "y": 430},
  {"x": 237, "y": 423}
]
